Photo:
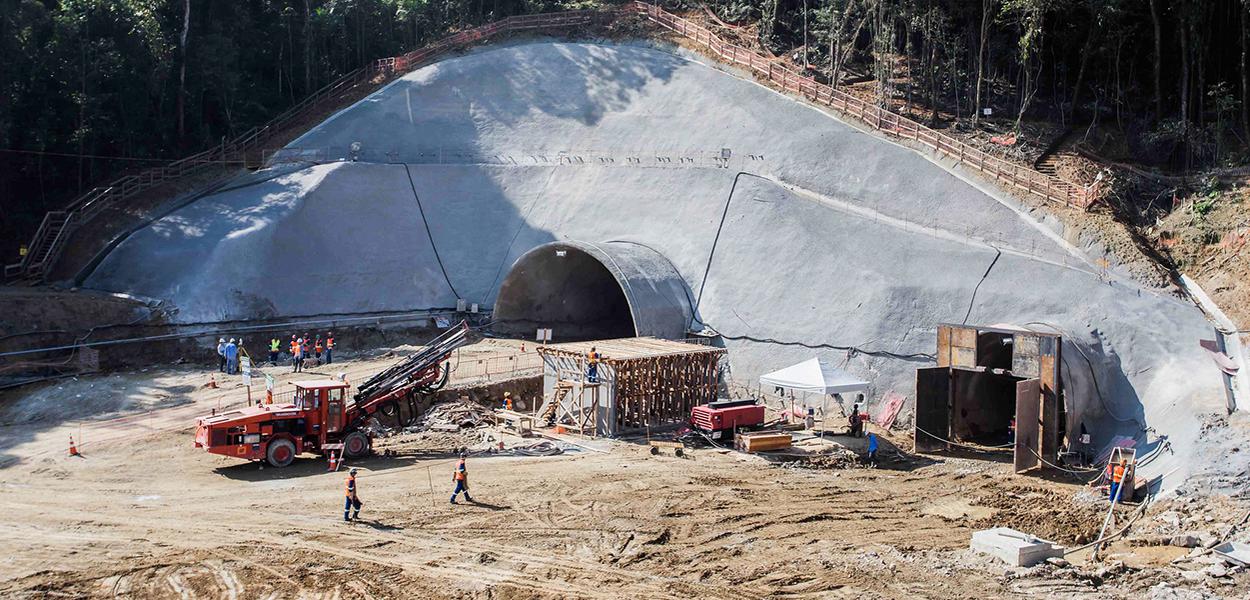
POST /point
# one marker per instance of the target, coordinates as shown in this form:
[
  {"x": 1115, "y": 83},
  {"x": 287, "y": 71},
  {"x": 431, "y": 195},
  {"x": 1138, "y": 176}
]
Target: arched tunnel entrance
[{"x": 585, "y": 291}]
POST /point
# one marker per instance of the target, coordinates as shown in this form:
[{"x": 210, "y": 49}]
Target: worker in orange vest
[
  {"x": 592, "y": 366},
  {"x": 461, "y": 477},
  {"x": 294, "y": 349},
  {"x": 1117, "y": 479},
  {"x": 352, "y": 501},
  {"x": 507, "y": 400},
  {"x": 317, "y": 349},
  {"x": 329, "y": 345}
]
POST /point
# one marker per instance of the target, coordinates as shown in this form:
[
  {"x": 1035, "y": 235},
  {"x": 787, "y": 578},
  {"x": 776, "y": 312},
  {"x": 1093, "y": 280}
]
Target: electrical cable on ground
[
  {"x": 972, "y": 301},
  {"x": 428, "y": 233}
]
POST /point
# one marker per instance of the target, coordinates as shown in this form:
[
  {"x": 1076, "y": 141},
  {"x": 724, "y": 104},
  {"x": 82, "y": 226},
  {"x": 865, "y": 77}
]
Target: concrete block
[{"x": 1014, "y": 547}]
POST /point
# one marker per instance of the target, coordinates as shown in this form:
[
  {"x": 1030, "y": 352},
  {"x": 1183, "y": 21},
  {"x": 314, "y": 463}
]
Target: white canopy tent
[{"x": 815, "y": 375}]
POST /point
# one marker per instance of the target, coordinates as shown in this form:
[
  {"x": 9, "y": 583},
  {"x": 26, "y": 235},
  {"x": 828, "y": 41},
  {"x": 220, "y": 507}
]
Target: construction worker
[
  {"x": 297, "y": 355},
  {"x": 872, "y": 447},
  {"x": 317, "y": 349},
  {"x": 352, "y": 503},
  {"x": 507, "y": 400},
  {"x": 461, "y": 477},
  {"x": 857, "y": 426},
  {"x": 294, "y": 349},
  {"x": 1117, "y": 479},
  {"x": 306, "y": 347},
  {"x": 329, "y": 345},
  {"x": 232, "y": 357},
  {"x": 592, "y": 366},
  {"x": 1011, "y": 431},
  {"x": 221, "y": 355},
  {"x": 275, "y": 345}
]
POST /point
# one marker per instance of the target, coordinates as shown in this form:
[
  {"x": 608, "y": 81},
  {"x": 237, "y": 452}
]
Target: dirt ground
[{"x": 144, "y": 514}]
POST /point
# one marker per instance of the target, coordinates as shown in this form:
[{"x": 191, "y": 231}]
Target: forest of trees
[{"x": 84, "y": 82}]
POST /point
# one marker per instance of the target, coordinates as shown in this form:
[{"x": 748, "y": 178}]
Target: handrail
[
  {"x": 95, "y": 200},
  {"x": 1051, "y": 188}
]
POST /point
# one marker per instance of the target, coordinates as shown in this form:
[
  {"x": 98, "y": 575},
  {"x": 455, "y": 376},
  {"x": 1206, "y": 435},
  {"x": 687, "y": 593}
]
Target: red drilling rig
[{"x": 322, "y": 416}]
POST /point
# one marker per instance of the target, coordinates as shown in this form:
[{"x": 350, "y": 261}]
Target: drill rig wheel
[
  {"x": 356, "y": 445},
  {"x": 281, "y": 453}
]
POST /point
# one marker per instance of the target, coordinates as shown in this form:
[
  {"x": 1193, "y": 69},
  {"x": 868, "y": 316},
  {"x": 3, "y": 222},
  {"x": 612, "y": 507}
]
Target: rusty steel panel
[
  {"x": 964, "y": 357},
  {"x": 1049, "y": 392},
  {"x": 944, "y": 346},
  {"x": 1024, "y": 356},
  {"x": 1028, "y": 425},
  {"x": 963, "y": 347},
  {"x": 933, "y": 422}
]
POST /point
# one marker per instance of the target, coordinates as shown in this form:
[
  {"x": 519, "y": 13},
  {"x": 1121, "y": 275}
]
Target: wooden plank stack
[{"x": 762, "y": 441}]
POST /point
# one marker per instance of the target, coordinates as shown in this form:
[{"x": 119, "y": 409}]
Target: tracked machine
[{"x": 324, "y": 415}]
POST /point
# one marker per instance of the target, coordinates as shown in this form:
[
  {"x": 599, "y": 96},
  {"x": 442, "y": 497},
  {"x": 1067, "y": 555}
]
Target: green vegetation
[{"x": 162, "y": 78}]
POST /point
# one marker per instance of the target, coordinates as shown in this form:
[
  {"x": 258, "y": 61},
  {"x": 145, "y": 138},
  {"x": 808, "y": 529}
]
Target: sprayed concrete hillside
[{"x": 781, "y": 222}]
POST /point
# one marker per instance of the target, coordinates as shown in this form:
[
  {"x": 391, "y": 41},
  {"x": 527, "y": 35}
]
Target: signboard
[
  {"x": 246, "y": 364},
  {"x": 442, "y": 322},
  {"x": 543, "y": 335},
  {"x": 269, "y": 383}
]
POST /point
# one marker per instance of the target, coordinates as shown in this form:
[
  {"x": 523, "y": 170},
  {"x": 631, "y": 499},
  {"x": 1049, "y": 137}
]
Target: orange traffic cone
[
  {"x": 212, "y": 382},
  {"x": 522, "y": 347},
  {"x": 73, "y": 450},
  {"x": 334, "y": 463}
]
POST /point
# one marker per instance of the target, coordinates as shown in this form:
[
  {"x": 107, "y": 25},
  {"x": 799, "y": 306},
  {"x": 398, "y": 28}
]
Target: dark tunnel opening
[{"x": 564, "y": 289}]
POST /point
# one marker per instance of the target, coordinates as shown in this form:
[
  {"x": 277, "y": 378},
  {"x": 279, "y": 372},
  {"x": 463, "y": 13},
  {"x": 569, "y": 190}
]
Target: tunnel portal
[{"x": 584, "y": 291}]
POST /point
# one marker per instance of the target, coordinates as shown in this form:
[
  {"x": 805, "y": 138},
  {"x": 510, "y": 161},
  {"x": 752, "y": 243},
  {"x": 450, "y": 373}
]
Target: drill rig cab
[{"x": 324, "y": 413}]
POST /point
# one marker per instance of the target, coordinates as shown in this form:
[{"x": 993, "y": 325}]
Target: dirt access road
[{"x": 144, "y": 514}]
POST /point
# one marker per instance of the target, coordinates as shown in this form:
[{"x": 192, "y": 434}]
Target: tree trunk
[
  {"x": 307, "y": 46},
  {"x": 1184, "y": 87},
  {"x": 1158, "y": 62},
  {"x": 1080, "y": 73},
  {"x": 985, "y": 27},
  {"x": 182, "y": 70},
  {"x": 1245, "y": 80}
]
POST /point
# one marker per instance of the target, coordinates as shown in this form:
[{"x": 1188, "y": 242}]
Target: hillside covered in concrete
[{"x": 709, "y": 197}]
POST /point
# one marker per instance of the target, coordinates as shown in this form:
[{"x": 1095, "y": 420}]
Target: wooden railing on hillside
[
  {"x": 1006, "y": 172},
  {"x": 247, "y": 148},
  {"x": 49, "y": 240}
]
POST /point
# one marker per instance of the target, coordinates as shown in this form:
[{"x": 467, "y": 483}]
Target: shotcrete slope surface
[{"x": 830, "y": 236}]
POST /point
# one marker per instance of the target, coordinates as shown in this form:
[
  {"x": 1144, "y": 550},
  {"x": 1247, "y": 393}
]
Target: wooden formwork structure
[{"x": 642, "y": 383}]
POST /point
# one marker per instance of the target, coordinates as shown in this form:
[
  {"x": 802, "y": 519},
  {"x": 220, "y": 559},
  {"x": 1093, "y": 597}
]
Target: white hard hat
[
  {"x": 221, "y": 340},
  {"x": 231, "y": 340},
  {"x": 300, "y": 340}
]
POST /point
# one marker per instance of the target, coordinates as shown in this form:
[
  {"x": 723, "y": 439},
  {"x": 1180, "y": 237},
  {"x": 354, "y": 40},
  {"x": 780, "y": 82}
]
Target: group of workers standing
[
  {"x": 228, "y": 355},
  {"x": 303, "y": 348},
  {"x": 300, "y": 348}
]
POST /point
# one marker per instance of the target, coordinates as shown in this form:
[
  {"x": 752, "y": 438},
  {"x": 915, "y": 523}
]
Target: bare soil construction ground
[{"x": 144, "y": 514}]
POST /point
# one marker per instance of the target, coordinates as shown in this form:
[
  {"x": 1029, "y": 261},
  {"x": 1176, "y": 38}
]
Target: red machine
[
  {"x": 720, "y": 419},
  {"x": 322, "y": 414}
]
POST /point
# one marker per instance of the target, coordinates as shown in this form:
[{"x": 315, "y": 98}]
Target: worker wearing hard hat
[
  {"x": 329, "y": 346},
  {"x": 352, "y": 504},
  {"x": 297, "y": 355},
  {"x": 461, "y": 477},
  {"x": 232, "y": 357},
  {"x": 221, "y": 354},
  {"x": 592, "y": 365},
  {"x": 1117, "y": 479},
  {"x": 507, "y": 400}
]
